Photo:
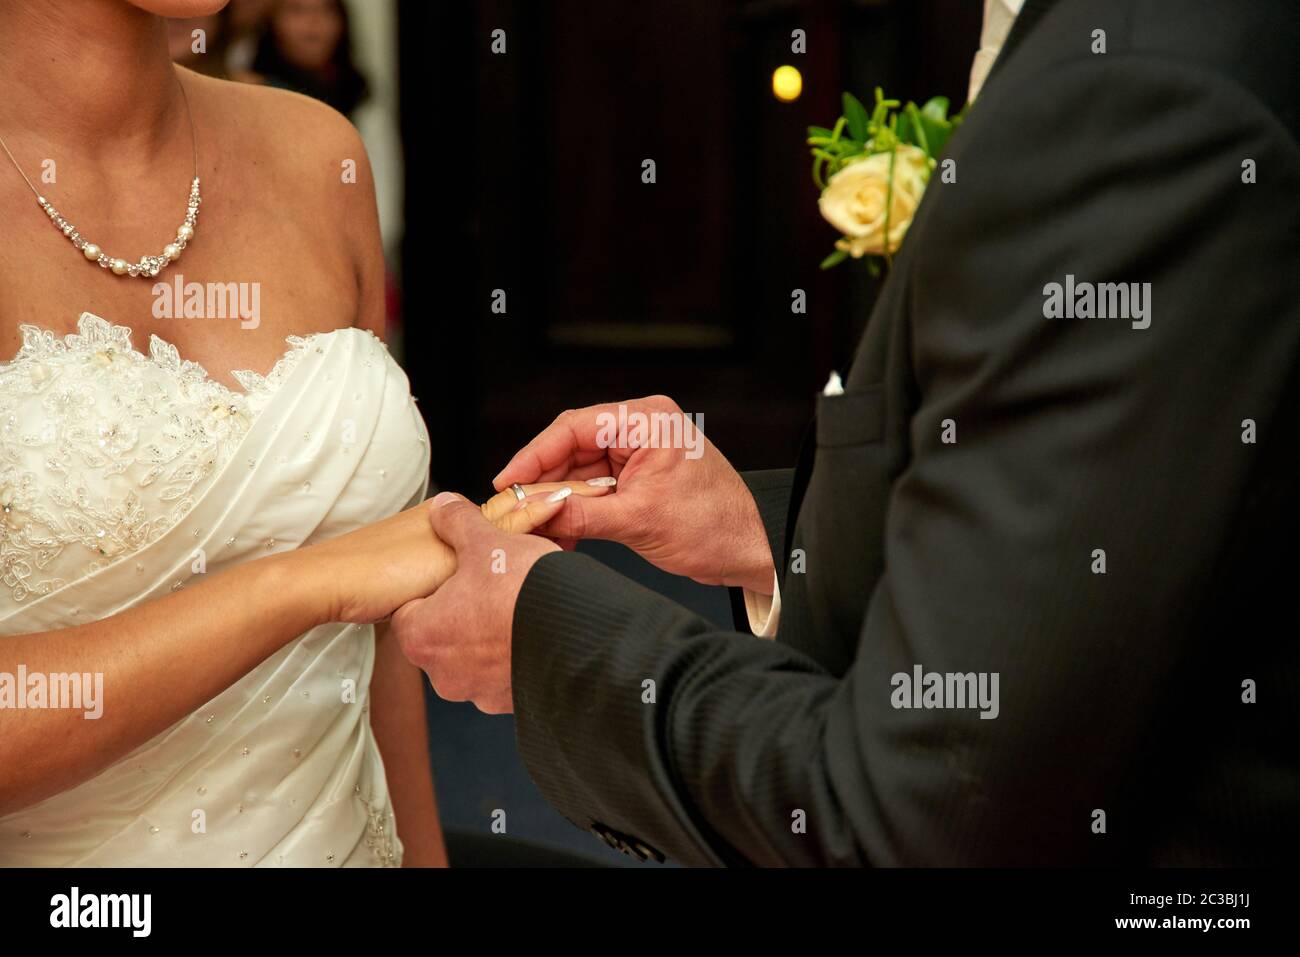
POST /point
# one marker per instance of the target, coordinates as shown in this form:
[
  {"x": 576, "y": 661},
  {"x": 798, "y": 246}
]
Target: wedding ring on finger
[{"x": 520, "y": 494}]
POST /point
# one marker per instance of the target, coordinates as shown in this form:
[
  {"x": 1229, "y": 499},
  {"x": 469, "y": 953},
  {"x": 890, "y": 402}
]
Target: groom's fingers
[
  {"x": 456, "y": 520},
  {"x": 571, "y": 442},
  {"x": 581, "y": 463},
  {"x": 609, "y": 517},
  {"x": 598, "y": 469}
]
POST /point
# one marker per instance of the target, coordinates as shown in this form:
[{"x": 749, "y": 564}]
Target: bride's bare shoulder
[
  {"x": 306, "y": 160},
  {"x": 292, "y": 133},
  {"x": 307, "y": 164}
]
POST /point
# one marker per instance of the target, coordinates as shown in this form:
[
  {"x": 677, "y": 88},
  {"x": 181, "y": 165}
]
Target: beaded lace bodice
[{"x": 103, "y": 447}]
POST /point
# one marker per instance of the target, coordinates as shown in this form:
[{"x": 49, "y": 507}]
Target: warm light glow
[{"x": 787, "y": 83}]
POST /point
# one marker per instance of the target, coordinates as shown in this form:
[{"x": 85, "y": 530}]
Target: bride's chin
[{"x": 179, "y": 9}]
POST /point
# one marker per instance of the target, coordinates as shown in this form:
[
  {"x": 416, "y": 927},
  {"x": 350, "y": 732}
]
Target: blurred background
[{"x": 532, "y": 270}]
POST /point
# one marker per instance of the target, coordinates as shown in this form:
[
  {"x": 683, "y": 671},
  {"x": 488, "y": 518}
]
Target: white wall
[{"x": 374, "y": 45}]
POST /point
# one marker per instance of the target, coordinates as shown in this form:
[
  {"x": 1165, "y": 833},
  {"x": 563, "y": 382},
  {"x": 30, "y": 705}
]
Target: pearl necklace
[{"x": 148, "y": 266}]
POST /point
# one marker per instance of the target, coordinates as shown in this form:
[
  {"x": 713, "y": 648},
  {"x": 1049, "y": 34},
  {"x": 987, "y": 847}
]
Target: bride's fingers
[
  {"x": 534, "y": 511},
  {"x": 503, "y": 503}
]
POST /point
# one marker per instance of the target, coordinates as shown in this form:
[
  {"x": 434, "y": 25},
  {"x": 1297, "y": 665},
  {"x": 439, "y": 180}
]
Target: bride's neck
[{"x": 96, "y": 71}]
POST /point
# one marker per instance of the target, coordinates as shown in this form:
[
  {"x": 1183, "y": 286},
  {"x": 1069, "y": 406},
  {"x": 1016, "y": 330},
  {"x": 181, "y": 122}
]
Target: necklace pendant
[{"x": 148, "y": 266}]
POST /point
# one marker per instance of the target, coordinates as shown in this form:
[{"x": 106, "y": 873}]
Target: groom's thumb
[{"x": 455, "y": 519}]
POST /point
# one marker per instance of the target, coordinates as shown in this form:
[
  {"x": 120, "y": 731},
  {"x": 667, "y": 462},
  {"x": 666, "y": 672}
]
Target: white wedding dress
[{"x": 121, "y": 474}]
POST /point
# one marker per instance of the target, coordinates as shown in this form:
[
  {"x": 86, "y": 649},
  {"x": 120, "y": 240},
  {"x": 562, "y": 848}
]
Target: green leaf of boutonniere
[
  {"x": 906, "y": 130},
  {"x": 936, "y": 108},
  {"x": 835, "y": 258},
  {"x": 856, "y": 115},
  {"x": 934, "y": 123}
]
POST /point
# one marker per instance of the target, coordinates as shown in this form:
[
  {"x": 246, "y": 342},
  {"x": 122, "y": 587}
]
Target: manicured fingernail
[
  {"x": 559, "y": 495},
  {"x": 605, "y": 481},
  {"x": 445, "y": 498}
]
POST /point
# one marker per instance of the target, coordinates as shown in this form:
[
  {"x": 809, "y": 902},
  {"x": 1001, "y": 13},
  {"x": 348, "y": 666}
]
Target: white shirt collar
[{"x": 998, "y": 17}]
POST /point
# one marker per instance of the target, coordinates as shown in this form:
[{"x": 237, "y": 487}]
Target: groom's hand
[
  {"x": 460, "y": 635},
  {"x": 683, "y": 509}
]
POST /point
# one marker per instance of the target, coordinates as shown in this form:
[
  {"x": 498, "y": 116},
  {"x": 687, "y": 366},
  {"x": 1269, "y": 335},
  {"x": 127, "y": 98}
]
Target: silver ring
[{"x": 518, "y": 489}]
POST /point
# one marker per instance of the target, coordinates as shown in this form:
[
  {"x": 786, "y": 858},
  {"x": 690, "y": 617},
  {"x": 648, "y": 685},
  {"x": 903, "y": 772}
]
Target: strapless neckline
[
  {"x": 103, "y": 447},
  {"x": 96, "y": 335}
]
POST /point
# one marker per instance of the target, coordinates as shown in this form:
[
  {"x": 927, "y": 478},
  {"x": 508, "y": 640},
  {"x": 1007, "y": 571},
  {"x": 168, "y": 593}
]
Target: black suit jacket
[{"x": 1122, "y": 733}]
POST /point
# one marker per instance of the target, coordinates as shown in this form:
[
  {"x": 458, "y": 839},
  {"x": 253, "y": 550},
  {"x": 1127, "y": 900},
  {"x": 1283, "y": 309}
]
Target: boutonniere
[{"x": 872, "y": 169}]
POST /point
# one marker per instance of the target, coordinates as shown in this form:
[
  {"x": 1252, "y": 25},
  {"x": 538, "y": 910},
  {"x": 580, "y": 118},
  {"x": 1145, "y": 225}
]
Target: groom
[{"x": 1033, "y": 581}]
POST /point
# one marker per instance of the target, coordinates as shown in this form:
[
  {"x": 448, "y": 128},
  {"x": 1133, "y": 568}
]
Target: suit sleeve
[
  {"x": 1069, "y": 541},
  {"x": 771, "y": 489}
]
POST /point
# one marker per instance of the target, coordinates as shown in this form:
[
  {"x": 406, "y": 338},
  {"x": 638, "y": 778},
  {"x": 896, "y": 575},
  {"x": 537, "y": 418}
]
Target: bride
[{"x": 211, "y": 545}]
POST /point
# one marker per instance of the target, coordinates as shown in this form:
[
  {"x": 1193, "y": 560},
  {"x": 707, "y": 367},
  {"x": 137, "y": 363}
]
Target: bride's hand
[{"x": 368, "y": 574}]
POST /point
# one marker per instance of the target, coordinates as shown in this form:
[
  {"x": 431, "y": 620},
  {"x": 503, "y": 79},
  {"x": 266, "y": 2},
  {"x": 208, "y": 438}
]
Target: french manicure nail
[
  {"x": 559, "y": 495},
  {"x": 605, "y": 481}
]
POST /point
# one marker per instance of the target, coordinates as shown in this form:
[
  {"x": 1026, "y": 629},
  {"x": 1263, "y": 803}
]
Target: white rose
[{"x": 854, "y": 200}]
